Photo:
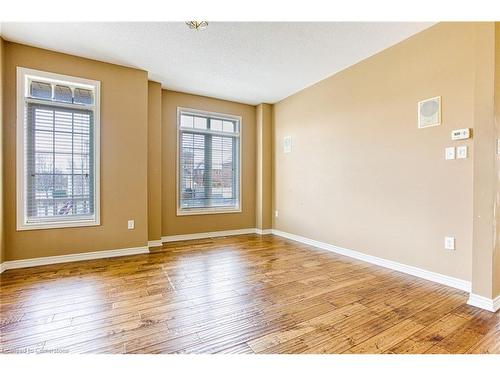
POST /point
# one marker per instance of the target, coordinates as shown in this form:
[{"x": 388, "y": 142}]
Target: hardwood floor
[{"x": 244, "y": 294}]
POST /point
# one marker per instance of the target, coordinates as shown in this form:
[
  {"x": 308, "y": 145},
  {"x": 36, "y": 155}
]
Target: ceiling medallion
[{"x": 197, "y": 25}]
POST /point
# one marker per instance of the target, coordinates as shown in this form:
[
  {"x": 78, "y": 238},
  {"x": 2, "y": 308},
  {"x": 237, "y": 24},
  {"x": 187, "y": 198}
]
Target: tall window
[
  {"x": 209, "y": 169},
  {"x": 57, "y": 151}
]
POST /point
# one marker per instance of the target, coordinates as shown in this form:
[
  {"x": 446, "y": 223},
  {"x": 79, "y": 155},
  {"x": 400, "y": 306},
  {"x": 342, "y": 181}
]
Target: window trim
[
  {"x": 207, "y": 210},
  {"x": 24, "y": 75}
]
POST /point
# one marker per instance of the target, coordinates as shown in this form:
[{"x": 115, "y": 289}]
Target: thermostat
[{"x": 460, "y": 134}]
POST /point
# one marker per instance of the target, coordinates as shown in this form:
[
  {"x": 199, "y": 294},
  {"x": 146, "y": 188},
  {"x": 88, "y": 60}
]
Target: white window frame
[
  {"x": 24, "y": 77},
  {"x": 208, "y": 210}
]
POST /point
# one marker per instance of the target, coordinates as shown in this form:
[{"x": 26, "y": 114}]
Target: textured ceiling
[{"x": 258, "y": 62}]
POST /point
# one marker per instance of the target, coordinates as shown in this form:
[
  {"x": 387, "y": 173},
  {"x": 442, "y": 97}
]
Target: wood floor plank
[
  {"x": 426, "y": 338},
  {"x": 238, "y": 349},
  {"x": 241, "y": 295},
  {"x": 384, "y": 340},
  {"x": 470, "y": 334},
  {"x": 489, "y": 344}
]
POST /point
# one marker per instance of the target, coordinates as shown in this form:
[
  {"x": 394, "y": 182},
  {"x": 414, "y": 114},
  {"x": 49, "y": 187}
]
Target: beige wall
[
  {"x": 123, "y": 157},
  {"x": 2, "y": 243},
  {"x": 263, "y": 192},
  {"x": 362, "y": 176},
  {"x": 154, "y": 161},
  {"x": 173, "y": 224}
]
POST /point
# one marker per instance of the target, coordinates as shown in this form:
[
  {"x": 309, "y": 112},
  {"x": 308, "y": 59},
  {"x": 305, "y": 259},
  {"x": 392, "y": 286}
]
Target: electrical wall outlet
[
  {"x": 449, "y": 243},
  {"x": 131, "y": 224},
  {"x": 462, "y": 152},
  {"x": 276, "y": 213},
  {"x": 449, "y": 153}
]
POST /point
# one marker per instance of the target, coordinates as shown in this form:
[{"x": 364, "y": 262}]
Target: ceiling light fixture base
[{"x": 197, "y": 25}]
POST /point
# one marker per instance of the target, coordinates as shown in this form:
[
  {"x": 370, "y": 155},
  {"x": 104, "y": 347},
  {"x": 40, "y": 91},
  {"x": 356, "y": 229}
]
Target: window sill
[
  {"x": 58, "y": 224},
  {"x": 207, "y": 211}
]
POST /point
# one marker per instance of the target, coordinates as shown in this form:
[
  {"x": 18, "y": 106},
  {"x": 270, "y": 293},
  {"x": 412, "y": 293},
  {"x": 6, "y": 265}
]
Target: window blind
[
  {"x": 59, "y": 162},
  {"x": 208, "y": 162}
]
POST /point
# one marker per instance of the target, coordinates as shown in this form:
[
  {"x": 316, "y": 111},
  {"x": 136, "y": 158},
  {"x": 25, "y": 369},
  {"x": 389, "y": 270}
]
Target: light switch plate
[
  {"x": 449, "y": 243},
  {"x": 449, "y": 153},
  {"x": 131, "y": 224},
  {"x": 287, "y": 144},
  {"x": 462, "y": 152}
]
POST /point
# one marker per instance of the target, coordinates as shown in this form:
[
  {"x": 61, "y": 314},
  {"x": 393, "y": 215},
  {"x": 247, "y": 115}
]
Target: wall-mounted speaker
[{"x": 429, "y": 112}]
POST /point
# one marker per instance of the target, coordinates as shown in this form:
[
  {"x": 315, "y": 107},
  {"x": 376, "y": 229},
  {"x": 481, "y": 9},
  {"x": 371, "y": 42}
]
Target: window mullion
[
  {"x": 222, "y": 167},
  {"x": 54, "y": 207},
  {"x": 208, "y": 170},
  {"x": 236, "y": 170},
  {"x": 73, "y": 162},
  {"x": 192, "y": 177}
]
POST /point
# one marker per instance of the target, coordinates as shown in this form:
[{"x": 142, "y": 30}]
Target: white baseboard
[
  {"x": 23, "y": 263},
  {"x": 263, "y": 231},
  {"x": 489, "y": 304},
  {"x": 2, "y": 267},
  {"x": 424, "y": 274},
  {"x": 155, "y": 243},
  {"x": 197, "y": 236}
]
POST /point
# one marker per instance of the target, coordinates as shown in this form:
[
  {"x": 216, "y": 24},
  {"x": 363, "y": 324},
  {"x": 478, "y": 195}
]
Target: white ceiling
[{"x": 258, "y": 62}]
